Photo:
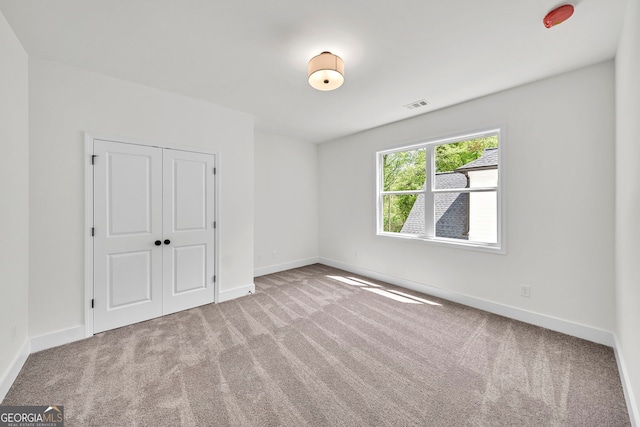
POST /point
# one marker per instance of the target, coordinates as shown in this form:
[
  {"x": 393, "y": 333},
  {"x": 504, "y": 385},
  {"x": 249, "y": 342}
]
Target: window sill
[{"x": 450, "y": 243}]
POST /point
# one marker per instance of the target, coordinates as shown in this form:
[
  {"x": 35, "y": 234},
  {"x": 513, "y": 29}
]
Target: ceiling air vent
[{"x": 417, "y": 104}]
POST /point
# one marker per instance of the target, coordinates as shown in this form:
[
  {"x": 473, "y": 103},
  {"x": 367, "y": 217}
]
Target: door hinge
[
  {"x": 93, "y": 231},
  {"x": 93, "y": 159},
  {"x": 214, "y": 171},
  {"x": 215, "y": 224},
  {"x": 92, "y": 303},
  {"x": 214, "y": 279}
]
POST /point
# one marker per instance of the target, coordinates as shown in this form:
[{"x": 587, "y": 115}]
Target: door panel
[
  {"x": 189, "y": 268},
  {"x": 189, "y": 187},
  {"x": 128, "y": 221},
  {"x": 188, "y": 261},
  {"x": 128, "y": 198},
  {"x": 128, "y": 279}
]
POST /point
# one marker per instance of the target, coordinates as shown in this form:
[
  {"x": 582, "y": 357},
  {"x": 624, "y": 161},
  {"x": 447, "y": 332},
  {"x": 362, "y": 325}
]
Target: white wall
[
  {"x": 628, "y": 196},
  {"x": 286, "y": 203},
  {"x": 14, "y": 201},
  {"x": 63, "y": 103},
  {"x": 560, "y": 223}
]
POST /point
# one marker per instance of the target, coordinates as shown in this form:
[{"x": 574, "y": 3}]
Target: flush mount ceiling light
[{"x": 326, "y": 71}]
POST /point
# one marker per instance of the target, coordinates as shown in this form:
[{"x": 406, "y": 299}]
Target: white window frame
[{"x": 429, "y": 193}]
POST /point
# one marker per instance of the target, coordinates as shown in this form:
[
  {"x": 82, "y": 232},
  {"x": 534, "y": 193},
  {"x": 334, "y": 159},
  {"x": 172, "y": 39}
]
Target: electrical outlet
[
  {"x": 274, "y": 253},
  {"x": 259, "y": 257},
  {"x": 525, "y": 291}
]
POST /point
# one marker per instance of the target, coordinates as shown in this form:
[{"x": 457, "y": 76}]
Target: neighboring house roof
[
  {"x": 446, "y": 180},
  {"x": 450, "y": 209},
  {"x": 488, "y": 160}
]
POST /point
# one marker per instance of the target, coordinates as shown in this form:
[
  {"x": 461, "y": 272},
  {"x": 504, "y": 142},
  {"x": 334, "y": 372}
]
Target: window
[{"x": 445, "y": 191}]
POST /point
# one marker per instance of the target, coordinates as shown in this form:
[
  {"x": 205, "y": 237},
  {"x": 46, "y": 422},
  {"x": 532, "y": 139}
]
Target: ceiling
[{"x": 252, "y": 55}]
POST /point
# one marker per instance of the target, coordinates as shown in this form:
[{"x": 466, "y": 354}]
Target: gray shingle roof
[
  {"x": 488, "y": 160},
  {"x": 450, "y": 209},
  {"x": 447, "y": 180}
]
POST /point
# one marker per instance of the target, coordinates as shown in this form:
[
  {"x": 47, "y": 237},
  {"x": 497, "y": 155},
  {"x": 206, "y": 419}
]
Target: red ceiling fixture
[{"x": 558, "y": 15}]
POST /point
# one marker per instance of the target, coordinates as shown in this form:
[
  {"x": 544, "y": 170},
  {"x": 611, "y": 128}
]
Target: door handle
[
  {"x": 167, "y": 241},
  {"x": 158, "y": 242}
]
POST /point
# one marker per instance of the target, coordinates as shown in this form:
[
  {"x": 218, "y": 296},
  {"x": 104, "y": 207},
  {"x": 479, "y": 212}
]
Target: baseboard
[
  {"x": 559, "y": 325},
  {"x": 10, "y": 375},
  {"x": 234, "y": 293},
  {"x": 57, "y": 338},
  {"x": 632, "y": 408},
  {"x": 270, "y": 269}
]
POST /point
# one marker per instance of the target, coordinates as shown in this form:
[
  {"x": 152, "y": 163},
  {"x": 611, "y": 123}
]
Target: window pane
[
  {"x": 443, "y": 190},
  {"x": 404, "y": 170},
  {"x": 452, "y": 215},
  {"x": 467, "y": 216},
  {"x": 470, "y": 163},
  {"x": 399, "y": 215},
  {"x": 483, "y": 217}
]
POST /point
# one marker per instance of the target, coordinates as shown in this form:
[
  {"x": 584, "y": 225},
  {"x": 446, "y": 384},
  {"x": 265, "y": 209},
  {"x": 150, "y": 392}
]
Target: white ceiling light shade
[{"x": 326, "y": 71}]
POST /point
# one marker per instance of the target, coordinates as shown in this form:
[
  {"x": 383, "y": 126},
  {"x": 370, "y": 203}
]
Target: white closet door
[
  {"x": 128, "y": 230},
  {"x": 188, "y": 229}
]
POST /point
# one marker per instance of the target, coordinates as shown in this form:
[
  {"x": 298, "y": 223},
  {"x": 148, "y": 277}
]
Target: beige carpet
[{"x": 314, "y": 347}]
